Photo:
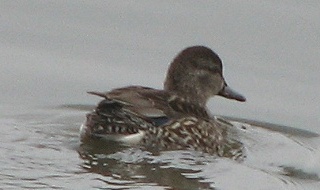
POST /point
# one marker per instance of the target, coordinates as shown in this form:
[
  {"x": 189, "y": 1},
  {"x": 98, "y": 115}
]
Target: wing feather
[{"x": 143, "y": 101}]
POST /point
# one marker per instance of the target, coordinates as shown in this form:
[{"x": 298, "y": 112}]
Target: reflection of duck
[{"x": 173, "y": 118}]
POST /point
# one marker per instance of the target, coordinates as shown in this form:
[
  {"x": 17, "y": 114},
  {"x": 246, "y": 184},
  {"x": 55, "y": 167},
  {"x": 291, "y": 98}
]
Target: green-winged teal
[{"x": 173, "y": 118}]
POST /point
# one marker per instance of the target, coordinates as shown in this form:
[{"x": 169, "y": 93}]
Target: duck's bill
[{"x": 227, "y": 92}]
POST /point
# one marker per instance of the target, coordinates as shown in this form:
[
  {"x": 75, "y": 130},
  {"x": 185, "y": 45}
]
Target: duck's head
[{"x": 196, "y": 74}]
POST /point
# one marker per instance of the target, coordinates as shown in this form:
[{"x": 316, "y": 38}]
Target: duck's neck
[{"x": 188, "y": 105}]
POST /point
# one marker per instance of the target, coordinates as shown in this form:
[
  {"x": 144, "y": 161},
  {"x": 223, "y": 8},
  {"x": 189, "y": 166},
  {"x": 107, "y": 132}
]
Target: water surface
[{"x": 52, "y": 52}]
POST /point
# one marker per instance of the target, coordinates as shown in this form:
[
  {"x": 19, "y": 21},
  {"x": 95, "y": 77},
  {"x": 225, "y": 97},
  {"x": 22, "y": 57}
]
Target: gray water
[{"x": 52, "y": 52}]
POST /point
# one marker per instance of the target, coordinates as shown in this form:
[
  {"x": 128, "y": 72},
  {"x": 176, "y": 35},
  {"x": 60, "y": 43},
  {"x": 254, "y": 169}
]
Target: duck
[{"x": 173, "y": 118}]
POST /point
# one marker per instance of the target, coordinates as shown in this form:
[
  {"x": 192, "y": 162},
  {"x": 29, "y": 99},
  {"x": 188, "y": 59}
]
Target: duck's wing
[{"x": 147, "y": 103}]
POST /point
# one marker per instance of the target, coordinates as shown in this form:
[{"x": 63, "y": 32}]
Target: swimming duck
[{"x": 173, "y": 118}]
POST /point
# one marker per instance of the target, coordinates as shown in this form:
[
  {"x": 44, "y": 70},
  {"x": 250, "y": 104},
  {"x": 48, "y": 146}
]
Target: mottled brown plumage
[{"x": 173, "y": 118}]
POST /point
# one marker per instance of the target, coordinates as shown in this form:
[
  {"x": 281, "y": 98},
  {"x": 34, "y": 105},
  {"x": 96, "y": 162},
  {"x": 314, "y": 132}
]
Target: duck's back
[{"x": 128, "y": 112}]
